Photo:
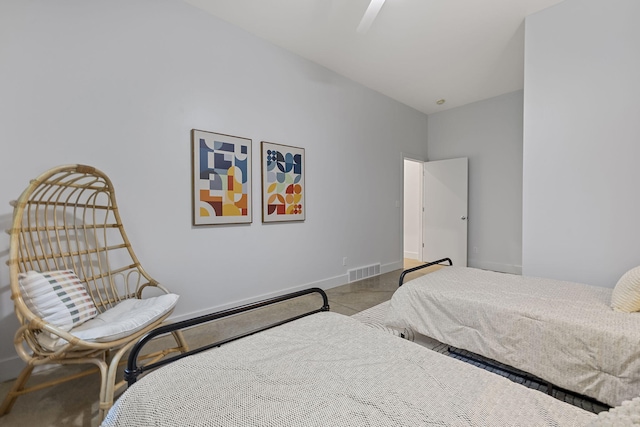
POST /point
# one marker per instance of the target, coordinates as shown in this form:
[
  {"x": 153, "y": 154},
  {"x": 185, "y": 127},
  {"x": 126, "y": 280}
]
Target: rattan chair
[{"x": 67, "y": 219}]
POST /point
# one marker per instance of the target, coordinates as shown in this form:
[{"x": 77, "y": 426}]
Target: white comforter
[
  {"x": 331, "y": 370},
  {"x": 563, "y": 332}
]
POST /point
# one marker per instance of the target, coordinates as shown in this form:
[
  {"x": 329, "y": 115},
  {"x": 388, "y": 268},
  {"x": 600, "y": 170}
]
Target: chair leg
[
  {"x": 104, "y": 382},
  {"x": 182, "y": 344},
  {"x": 18, "y": 385},
  {"x": 108, "y": 387}
]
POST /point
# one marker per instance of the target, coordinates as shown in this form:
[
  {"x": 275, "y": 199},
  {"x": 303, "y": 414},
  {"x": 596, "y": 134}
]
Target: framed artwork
[
  {"x": 283, "y": 189},
  {"x": 221, "y": 178}
]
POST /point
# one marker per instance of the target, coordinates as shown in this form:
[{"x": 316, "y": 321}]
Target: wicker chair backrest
[{"x": 68, "y": 219}]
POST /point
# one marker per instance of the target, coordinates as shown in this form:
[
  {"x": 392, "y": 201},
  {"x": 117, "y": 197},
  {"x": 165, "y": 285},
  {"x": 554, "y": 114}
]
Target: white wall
[
  {"x": 412, "y": 208},
  {"x": 489, "y": 133},
  {"x": 581, "y": 141},
  {"x": 119, "y": 85}
]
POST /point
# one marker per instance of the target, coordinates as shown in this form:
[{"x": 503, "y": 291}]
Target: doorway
[
  {"x": 412, "y": 209},
  {"x": 435, "y": 210}
]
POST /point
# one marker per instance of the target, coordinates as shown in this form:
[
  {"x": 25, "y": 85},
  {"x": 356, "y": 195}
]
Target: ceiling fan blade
[{"x": 370, "y": 15}]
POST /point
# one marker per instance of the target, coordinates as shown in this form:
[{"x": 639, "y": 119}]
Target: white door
[{"x": 445, "y": 210}]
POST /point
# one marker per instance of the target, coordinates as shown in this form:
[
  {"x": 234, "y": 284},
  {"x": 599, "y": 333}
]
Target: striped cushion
[
  {"x": 626, "y": 295},
  {"x": 57, "y": 297}
]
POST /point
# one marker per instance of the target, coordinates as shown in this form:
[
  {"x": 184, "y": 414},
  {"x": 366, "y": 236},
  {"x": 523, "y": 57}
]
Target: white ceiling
[{"x": 416, "y": 51}]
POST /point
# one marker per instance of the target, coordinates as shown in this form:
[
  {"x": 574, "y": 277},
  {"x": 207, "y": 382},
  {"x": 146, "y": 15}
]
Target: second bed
[{"x": 563, "y": 332}]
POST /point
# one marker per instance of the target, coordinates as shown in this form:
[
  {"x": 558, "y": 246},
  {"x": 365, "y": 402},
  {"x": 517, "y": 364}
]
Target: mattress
[
  {"x": 330, "y": 370},
  {"x": 563, "y": 332}
]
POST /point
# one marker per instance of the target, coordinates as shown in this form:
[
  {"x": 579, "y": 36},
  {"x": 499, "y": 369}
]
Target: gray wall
[
  {"x": 489, "y": 133},
  {"x": 582, "y": 141},
  {"x": 119, "y": 85}
]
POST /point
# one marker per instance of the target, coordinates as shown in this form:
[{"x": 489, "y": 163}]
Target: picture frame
[
  {"x": 220, "y": 178},
  {"x": 283, "y": 183}
]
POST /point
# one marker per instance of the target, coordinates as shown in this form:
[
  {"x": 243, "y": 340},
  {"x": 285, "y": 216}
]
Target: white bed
[
  {"x": 563, "y": 332},
  {"x": 330, "y": 370}
]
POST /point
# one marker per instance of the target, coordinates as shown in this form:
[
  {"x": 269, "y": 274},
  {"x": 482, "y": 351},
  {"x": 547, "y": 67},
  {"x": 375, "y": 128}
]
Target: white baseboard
[
  {"x": 324, "y": 284},
  {"x": 392, "y": 266},
  {"x": 412, "y": 255},
  {"x": 495, "y": 266}
]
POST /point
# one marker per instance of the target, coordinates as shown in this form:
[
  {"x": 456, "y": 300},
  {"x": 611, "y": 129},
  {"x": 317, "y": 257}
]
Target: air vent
[{"x": 363, "y": 272}]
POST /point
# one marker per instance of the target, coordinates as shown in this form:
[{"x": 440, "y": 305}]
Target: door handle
[{"x": 464, "y": 218}]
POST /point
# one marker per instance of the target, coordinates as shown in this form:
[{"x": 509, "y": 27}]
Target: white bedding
[
  {"x": 331, "y": 370},
  {"x": 563, "y": 332}
]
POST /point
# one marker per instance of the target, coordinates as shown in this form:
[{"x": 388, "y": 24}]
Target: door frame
[{"x": 421, "y": 160}]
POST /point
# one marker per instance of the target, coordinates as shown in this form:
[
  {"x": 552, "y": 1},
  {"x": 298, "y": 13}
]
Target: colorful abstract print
[
  {"x": 284, "y": 183},
  {"x": 224, "y": 170}
]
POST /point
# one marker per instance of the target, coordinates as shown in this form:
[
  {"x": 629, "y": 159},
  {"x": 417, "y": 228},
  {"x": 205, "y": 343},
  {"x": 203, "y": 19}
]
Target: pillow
[
  {"x": 627, "y": 414},
  {"x": 626, "y": 295},
  {"x": 57, "y": 297}
]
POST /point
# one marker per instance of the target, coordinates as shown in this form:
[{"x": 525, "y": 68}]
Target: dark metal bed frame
[
  {"x": 492, "y": 365},
  {"x": 133, "y": 371}
]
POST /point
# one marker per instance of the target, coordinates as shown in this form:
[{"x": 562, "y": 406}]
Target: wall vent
[{"x": 364, "y": 272}]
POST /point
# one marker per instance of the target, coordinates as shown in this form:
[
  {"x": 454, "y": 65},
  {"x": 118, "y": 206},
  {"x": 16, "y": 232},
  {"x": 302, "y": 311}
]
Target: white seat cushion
[{"x": 124, "y": 319}]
